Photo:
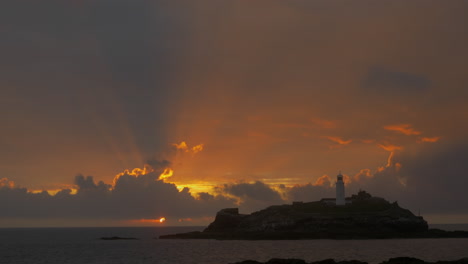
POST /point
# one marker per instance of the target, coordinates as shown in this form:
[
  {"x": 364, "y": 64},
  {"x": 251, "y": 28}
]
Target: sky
[{"x": 119, "y": 113}]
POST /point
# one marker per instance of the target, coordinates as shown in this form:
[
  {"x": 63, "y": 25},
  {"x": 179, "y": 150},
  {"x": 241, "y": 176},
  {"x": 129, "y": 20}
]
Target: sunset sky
[{"x": 236, "y": 103}]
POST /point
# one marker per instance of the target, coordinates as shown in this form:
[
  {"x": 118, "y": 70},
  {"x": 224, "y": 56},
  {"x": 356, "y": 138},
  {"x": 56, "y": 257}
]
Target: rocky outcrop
[
  {"x": 366, "y": 217},
  {"x": 227, "y": 220}
]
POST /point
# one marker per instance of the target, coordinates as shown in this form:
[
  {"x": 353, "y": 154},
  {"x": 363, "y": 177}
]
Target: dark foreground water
[{"x": 81, "y": 245}]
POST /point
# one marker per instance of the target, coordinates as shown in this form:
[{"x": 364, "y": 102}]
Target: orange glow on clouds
[
  {"x": 390, "y": 163},
  {"x": 363, "y": 173},
  {"x": 429, "y": 139},
  {"x": 167, "y": 173},
  {"x": 54, "y": 191},
  {"x": 197, "y": 148},
  {"x": 184, "y": 147},
  {"x": 403, "y": 128},
  {"x": 136, "y": 172},
  {"x": 51, "y": 189},
  {"x": 4, "y": 182},
  {"x": 390, "y": 159},
  {"x": 339, "y": 140},
  {"x": 390, "y": 147},
  {"x": 321, "y": 181},
  {"x": 197, "y": 187}
]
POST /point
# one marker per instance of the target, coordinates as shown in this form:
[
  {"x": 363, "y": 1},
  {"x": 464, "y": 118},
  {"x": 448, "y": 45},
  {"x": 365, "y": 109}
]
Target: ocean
[{"x": 82, "y": 245}]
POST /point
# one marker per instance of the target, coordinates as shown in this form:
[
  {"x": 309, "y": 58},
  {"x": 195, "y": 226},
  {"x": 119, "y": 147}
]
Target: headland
[{"x": 362, "y": 217}]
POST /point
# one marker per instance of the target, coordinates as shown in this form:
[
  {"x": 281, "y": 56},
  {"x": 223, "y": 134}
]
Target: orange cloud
[
  {"x": 72, "y": 188},
  {"x": 137, "y": 172},
  {"x": 322, "y": 181},
  {"x": 403, "y": 128},
  {"x": 398, "y": 166},
  {"x": 4, "y": 182},
  {"x": 167, "y": 173},
  {"x": 390, "y": 147},
  {"x": 339, "y": 140},
  {"x": 364, "y": 173},
  {"x": 428, "y": 139},
  {"x": 390, "y": 159},
  {"x": 197, "y": 148},
  {"x": 184, "y": 147},
  {"x": 346, "y": 179}
]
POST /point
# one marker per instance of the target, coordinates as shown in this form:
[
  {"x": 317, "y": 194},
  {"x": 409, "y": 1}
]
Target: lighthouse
[{"x": 340, "y": 194}]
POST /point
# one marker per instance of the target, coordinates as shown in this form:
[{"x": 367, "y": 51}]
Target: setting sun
[{"x": 162, "y": 220}]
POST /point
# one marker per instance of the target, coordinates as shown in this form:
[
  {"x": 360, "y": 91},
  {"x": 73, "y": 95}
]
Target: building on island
[
  {"x": 340, "y": 198},
  {"x": 340, "y": 191}
]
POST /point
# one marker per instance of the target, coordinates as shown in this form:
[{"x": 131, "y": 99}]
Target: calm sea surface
[{"x": 81, "y": 245}]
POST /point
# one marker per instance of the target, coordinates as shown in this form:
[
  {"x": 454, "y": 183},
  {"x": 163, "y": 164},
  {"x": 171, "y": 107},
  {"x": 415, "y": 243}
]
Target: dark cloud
[
  {"x": 385, "y": 81},
  {"x": 309, "y": 193},
  {"x": 253, "y": 196},
  {"x": 431, "y": 180},
  {"x": 132, "y": 197},
  {"x": 158, "y": 165},
  {"x": 93, "y": 68},
  {"x": 87, "y": 183},
  {"x": 436, "y": 177}
]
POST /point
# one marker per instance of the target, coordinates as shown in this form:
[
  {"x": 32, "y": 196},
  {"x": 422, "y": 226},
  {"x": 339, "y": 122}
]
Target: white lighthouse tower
[{"x": 340, "y": 194}]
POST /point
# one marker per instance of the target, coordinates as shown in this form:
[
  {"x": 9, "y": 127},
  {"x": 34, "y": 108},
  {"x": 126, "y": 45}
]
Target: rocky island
[{"x": 362, "y": 217}]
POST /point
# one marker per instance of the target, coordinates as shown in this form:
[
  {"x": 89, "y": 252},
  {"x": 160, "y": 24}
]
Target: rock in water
[
  {"x": 366, "y": 217},
  {"x": 371, "y": 217}
]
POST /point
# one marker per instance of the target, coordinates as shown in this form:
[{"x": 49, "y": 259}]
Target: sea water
[{"x": 82, "y": 245}]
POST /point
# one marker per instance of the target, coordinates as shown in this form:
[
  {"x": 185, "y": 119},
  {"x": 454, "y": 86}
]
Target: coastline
[
  {"x": 430, "y": 234},
  {"x": 364, "y": 217}
]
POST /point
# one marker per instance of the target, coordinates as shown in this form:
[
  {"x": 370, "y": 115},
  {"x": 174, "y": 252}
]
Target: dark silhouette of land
[{"x": 367, "y": 217}]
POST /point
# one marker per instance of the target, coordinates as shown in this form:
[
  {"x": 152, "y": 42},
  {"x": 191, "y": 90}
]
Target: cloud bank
[{"x": 433, "y": 177}]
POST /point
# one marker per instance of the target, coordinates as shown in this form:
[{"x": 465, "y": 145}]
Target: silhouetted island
[{"x": 362, "y": 217}]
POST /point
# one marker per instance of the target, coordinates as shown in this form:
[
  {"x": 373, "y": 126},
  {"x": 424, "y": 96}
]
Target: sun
[{"x": 162, "y": 219}]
